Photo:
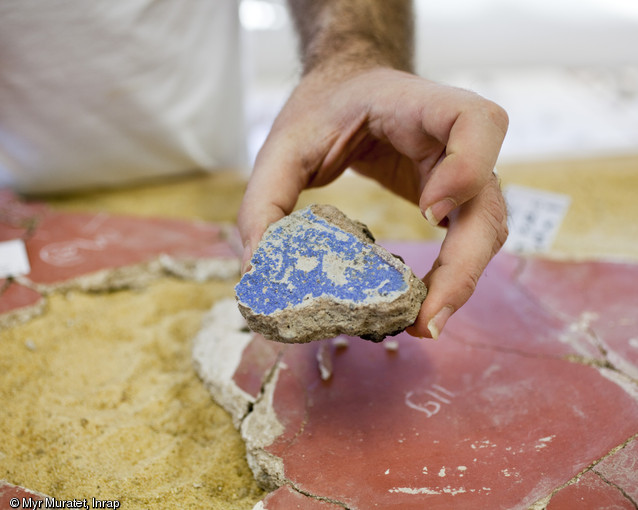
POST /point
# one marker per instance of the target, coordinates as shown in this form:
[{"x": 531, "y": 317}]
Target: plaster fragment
[
  {"x": 324, "y": 361},
  {"x": 391, "y": 345},
  {"x": 340, "y": 342},
  {"x": 317, "y": 274},
  {"x": 223, "y": 331}
]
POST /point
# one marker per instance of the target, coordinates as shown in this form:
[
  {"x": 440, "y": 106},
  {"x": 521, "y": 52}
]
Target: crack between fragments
[
  {"x": 268, "y": 379},
  {"x": 262, "y": 390},
  {"x": 506, "y": 350},
  {"x": 596, "y": 341},
  {"x": 542, "y": 503},
  {"x": 622, "y": 379},
  {"x": 319, "y": 498},
  {"x": 618, "y": 487}
]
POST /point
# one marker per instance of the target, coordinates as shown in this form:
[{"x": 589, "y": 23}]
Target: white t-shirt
[{"x": 104, "y": 92}]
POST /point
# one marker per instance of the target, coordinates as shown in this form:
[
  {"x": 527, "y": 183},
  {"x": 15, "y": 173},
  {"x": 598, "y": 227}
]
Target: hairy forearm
[{"x": 352, "y": 34}]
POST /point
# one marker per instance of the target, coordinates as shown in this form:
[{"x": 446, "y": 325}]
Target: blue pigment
[{"x": 275, "y": 284}]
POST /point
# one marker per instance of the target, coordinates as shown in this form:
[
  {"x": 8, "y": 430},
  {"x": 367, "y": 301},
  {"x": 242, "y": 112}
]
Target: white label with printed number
[
  {"x": 534, "y": 218},
  {"x": 13, "y": 258}
]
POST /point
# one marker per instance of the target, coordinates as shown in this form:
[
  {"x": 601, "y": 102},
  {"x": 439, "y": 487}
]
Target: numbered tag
[
  {"x": 534, "y": 218},
  {"x": 13, "y": 258}
]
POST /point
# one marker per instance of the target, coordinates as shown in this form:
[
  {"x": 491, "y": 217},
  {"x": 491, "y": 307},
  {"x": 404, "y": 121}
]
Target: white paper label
[
  {"x": 13, "y": 258},
  {"x": 534, "y": 218}
]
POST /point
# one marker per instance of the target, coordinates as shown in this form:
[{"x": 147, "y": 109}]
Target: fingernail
[
  {"x": 436, "y": 212},
  {"x": 437, "y": 323}
]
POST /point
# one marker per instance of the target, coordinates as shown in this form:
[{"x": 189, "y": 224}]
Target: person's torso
[{"x": 101, "y": 92}]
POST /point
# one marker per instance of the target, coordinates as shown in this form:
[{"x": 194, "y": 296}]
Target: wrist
[
  {"x": 352, "y": 35},
  {"x": 348, "y": 57}
]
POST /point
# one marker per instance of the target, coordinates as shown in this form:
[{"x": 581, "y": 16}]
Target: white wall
[
  {"x": 566, "y": 70},
  {"x": 454, "y": 34},
  {"x": 489, "y": 33}
]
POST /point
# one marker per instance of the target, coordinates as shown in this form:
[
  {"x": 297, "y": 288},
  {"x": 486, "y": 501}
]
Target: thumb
[{"x": 271, "y": 193}]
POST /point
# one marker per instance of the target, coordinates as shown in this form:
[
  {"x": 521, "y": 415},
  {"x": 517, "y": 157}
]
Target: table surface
[
  {"x": 600, "y": 221},
  {"x": 160, "y": 440}
]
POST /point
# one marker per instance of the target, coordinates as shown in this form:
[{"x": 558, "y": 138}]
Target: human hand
[{"x": 432, "y": 144}]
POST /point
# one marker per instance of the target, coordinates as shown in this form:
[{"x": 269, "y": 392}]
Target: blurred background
[{"x": 565, "y": 70}]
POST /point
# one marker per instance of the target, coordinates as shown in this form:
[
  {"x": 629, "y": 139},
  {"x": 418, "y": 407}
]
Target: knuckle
[
  {"x": 468, "y": 283},
  {"x": 497, "y": 115},
  {"x": 494, "y": 218}
]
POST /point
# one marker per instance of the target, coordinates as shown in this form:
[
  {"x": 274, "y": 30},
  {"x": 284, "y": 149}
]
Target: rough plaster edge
[
  {"x": 621, "y": 380},
  {"x": 259, "y": 430},
  {"x": 4, "y": 483},
  {"x": 617, "y": 361},
  {"x": 326, "y": 316},
  {"x": 579, "y": 335},
  {"x": 542, "y": 503},
  {"x": 217, "y": 352},
  {"x": 22, "y": 314},
  {"x": 623, "y": 366},
  {"x": 200, "y": 270},
  {"x": 140, "y": 275},
  {"x": 135, "y": 277}
]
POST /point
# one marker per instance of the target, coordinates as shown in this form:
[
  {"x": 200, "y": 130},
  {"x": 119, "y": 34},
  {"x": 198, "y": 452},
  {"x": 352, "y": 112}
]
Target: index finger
[{"x": 475, "y": 233}]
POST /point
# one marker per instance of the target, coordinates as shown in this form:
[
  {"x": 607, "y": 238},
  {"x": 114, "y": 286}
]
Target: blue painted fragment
[{"x": 312, "y": 260}]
